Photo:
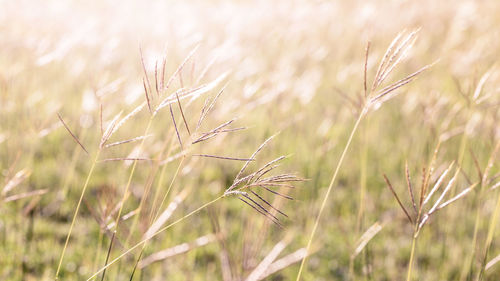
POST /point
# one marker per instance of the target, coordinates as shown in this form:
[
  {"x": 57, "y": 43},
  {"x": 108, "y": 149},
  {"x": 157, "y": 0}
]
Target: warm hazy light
[{"x": 249, "y": 140}]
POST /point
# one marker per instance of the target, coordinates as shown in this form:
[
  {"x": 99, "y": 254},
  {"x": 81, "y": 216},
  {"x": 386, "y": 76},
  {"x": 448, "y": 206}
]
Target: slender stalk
[
  {"x": 362, "y": 184},
  {"x": 412, "y": 255},
  {"x": 468, "y": 262},
  {"x": 146, "y": 192},
  {"x": 362, "y": 191},
  {"x": 159, "y": 184},
  {"x": 99, "y": 249},
  {"x": 156, "y": 233},
  {"x": 463, "y": 141},
  {"x": 132, "y": 171},
  {"x": 489, "y": 239},
  {"x": 89, "y": 175},
  {"x": 169, "y": 188},
  {"x": 414, "y": 238},
  {"x": 109, "y": 253},
  {"x": 416, "y": 229},
  {"x": 71, "y": 171},
  {"x": 162, "y": 176},
  {"x": 158, "y": 212},
  {"x": 137, "y": 263},
  {"x": 463, "y": 147},
  {"x": 29, "y": 241},
  {"x": 329, "y": 190},
  {"x": 127, "y": 187}
]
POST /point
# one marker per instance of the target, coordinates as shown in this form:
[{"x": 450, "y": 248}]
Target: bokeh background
[{"x": 293, "y": 67}]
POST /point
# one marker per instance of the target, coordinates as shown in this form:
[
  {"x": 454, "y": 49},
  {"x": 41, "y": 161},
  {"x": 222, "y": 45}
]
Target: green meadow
[{"x": 250, "y": 140}]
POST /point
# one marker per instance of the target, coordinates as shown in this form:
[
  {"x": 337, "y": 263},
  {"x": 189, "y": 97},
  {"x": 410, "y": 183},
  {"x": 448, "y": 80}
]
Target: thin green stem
[
  {"x": 153, "y": 235},
  {"x": 463, "y": 147},
  {"x": 362, "y": 191},
  {"x": 467, "y": 267},
  {"x": 158, "y": 211},
  {"x": 131, "y": 175},
  {"x": 169, "y": 143},
  {"x": 330, "y": 187},
  {"x": 489, "y": 239},
  {"x": 412, "y": 255},
  {"x": 109, "y": 253},
  {"x": 99, "y": 250},
  {"x": 91, "y": 171},
  {"x": 147, "y": 189},
  {"x": 162, "y": 176},
  {"x": 129, "y": 182},
  {"x": 169, "y": 188},
  {"x": 71, "y": 170},
  {"x": 461, "y": 153}
]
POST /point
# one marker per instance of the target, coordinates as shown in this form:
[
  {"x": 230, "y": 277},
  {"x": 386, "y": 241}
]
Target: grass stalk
[
  {"x": 98, "y": 250},
  {"x": 362, "y": 191},
  {"x": 489, "y": 239},
  {"x": 109, "y": 253},
  {"x": 468, "y": 264},
  {"x": 127, "y": 187},
  {"x": 329, "y": 190},
  {"x": 157, "y": 213},
  {"x": 469, "y": 260},
  {"x": 153, "y": 235},
  {"x": 147, "y": 189},
  {"x": 412, "y": 255},
  {"x": 416, "y": 230},
  {"x": 158, "y": 210},
  {"x": 71, "y": 170},
  {"x": 89, "y": 175},
  {"x": 162, "y": 176},
  {"x": 131, "y": 175}
]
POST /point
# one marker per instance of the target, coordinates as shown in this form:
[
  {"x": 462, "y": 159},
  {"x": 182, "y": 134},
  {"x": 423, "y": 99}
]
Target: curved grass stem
[
  {"x": 131, "y": 175},
  {"x": 146, "y": 192},
  {"x": 89, "y": 175},
  {"x": 489, "y": 238},
  {"x": 330, "y": 187},
  {"x": 153, "y": 235},
  {"x": 127, "y": 187},
  {"x": 362, "y": 192},
  {"x": 157, "y": 214}
]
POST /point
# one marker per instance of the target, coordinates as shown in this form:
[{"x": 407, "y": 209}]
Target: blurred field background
[{"x": 293, "y": 67}]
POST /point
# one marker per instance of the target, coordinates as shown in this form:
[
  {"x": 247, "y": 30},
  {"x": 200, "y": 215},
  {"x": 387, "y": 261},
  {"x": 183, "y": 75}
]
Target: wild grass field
[{"x": 249, "y": 140}]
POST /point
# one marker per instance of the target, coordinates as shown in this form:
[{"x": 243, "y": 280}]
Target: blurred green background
[{"x": 293, "y": 67}]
